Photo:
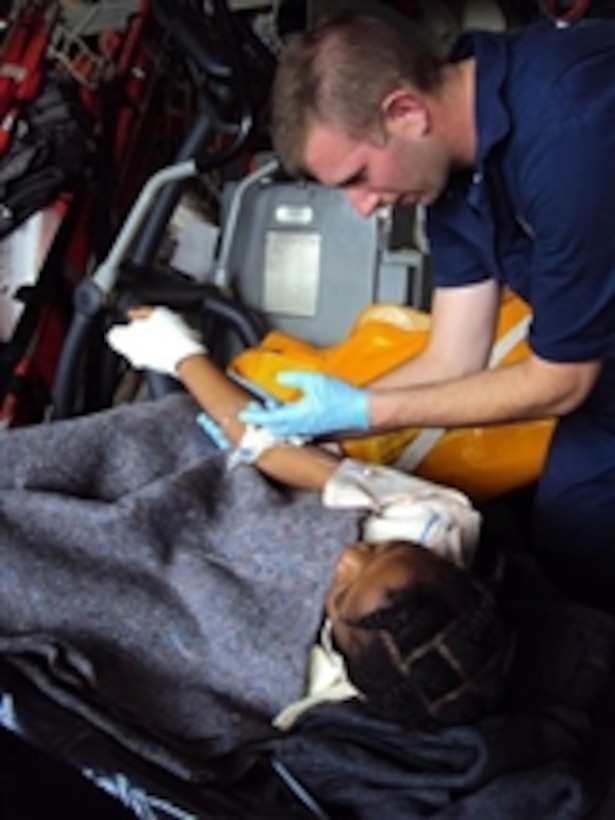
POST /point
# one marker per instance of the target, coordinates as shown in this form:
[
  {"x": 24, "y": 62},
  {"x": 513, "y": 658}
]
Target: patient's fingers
[{"x": 141, "y": 312}]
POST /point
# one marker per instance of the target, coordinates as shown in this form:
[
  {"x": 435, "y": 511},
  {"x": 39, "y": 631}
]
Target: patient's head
[{"x": 422, "y": 639}]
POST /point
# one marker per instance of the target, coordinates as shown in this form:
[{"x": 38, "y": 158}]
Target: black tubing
[
  {"x": 89, "y": 301},
  {"x": 248, "y": 326},
  {"x": 185, "y": 31},
  {"x": 152, "y": 231}
]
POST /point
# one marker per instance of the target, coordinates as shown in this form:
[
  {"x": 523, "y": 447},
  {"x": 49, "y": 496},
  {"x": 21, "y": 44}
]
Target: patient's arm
[
  {"x": 166, "y": 341},
  {"x": 222, "y": 399},
  {"x": 160, "y": 340}
]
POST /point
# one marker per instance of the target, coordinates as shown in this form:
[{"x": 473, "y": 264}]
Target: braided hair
[{"x": 437, "y": 654}]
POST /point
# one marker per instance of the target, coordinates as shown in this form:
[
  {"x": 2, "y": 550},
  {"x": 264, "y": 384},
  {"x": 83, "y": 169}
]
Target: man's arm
[
  {"x": 463, "y": 321},
  {"x": 534, "y": 388},
  {"x": 448, "y": 386},
  {"x": 461, "y": 334}
]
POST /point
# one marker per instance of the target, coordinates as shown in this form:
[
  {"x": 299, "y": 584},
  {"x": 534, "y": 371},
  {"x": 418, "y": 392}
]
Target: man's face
[{"x": 396, "y": 168}]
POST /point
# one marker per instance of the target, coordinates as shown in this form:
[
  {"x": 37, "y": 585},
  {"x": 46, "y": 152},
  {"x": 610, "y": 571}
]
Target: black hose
[
  {"x": 188, "y": 32},
  {"x": 151, "y": 234},
  {"x": 88, "y": 306}
]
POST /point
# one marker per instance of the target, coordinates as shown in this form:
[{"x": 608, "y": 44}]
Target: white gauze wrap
[{"x": 408, "y": 508}]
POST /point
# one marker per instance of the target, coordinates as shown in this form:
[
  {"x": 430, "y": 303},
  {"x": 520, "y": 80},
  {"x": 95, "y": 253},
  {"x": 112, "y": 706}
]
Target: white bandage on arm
[
  {"x": 408, "y": 508},
  {"x": 256, "y": 441}
]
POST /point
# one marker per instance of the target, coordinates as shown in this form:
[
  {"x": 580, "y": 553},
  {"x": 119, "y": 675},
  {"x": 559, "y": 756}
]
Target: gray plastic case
[{"x": 309, "y": 263}]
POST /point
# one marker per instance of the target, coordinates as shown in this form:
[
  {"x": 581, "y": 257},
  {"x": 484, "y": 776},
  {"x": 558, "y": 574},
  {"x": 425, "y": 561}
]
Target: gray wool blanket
[{"x": 164, "y": 598}]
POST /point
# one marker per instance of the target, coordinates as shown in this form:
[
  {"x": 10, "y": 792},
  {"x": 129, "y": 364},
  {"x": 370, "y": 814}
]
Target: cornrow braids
[{"x": 439, "y": 653}]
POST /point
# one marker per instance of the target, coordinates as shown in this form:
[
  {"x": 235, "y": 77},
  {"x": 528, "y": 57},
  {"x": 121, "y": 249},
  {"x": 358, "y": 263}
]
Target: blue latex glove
[{"x": 328, "y": 405}]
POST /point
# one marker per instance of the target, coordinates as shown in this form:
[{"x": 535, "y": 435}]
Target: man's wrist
[{"x": 382, "y": 405}]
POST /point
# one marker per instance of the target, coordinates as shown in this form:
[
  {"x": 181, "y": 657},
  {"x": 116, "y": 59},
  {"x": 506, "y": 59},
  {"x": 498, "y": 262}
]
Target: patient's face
[{"x": 363, "y": 580}]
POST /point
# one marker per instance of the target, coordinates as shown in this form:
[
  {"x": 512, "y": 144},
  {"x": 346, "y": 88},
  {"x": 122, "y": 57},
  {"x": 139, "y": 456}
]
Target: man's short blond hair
[{"x": 339, "y": 72}]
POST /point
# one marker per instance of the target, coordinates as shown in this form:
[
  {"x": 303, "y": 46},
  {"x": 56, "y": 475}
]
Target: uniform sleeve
[
  {"x": 571, "y": 211},
  {"x": 455, "y": 260}
]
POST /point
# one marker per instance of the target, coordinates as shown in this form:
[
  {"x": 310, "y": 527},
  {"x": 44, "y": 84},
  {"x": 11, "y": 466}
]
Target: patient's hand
[{"x": 155, "y": 339}]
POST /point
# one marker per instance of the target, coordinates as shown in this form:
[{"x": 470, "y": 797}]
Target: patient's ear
[{"x": 404, "y": 112}]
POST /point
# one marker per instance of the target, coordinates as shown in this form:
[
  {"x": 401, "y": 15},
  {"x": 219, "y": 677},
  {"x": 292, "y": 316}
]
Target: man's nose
[{"x": 364, "y": 202}]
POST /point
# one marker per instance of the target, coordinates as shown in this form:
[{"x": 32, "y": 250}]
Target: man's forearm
[
  {"x": 462, "y": 327},
  {"x": 528, "y": 390},
  {"x": 421, "y": 369}
]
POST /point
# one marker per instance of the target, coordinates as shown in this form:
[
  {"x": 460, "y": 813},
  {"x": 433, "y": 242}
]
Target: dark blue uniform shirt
[{"x": 538, "y": 214}]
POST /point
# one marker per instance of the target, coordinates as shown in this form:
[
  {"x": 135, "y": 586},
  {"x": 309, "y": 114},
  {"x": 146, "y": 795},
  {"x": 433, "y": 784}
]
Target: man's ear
[{"x": 404, "y": 111}]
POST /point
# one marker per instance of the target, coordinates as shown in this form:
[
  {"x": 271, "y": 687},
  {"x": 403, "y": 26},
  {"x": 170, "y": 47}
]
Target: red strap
[
  {"x": 22, "y": 65},
  {"x": 572, "y": 14}
]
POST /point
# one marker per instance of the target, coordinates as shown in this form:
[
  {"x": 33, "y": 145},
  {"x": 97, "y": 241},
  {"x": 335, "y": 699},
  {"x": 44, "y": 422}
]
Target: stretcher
[{"x": 306, "y": 774}]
